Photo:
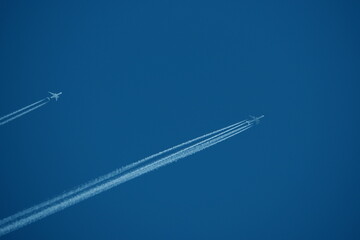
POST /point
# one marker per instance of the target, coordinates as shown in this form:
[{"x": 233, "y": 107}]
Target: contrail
[
  {"x": 22, "y": 113},
  {"x": 22, "y": 109},
  {"x": 116, "y": 172},
  {"x": 36, "y": 213},
  {"x": 182, "y": 144}
]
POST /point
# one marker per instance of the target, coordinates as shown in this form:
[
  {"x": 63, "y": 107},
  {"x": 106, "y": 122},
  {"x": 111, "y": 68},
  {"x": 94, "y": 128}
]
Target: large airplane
[
  {"x": 55, "y": 95},
  {"x": 255, "y": 119}
]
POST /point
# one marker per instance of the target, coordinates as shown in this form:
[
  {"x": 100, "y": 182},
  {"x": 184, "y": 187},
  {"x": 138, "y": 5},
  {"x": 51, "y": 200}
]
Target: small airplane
[
  {"x": 255, "y": 119},
  {"x": 55, "y": 95}
]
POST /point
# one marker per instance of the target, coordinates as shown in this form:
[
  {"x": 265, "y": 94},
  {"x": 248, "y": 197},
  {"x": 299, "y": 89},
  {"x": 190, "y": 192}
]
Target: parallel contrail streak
[
  {"x": 196, "y": 148},
  {"x": 22, "y": 113},
  {"x": 37, "y": 215},
  {"x": 182, "y": 144},
  {"x": 22, "y": 109},
  {"x": 116, "y": 172}
]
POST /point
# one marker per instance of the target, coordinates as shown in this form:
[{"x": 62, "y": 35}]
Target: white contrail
[
  {"x": 198, "y": 147},
  {"x": 112, "y": 183},
  {"x": 57, "y": 206},
  {"x": 22, "y": 113},
  {"x": 22, "y": 109},
  {"x": 182, "y": 144},
  {"x": 118, "y": 171}
]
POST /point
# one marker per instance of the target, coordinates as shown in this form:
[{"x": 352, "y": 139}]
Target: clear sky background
[{"x": 140, "y": 76}]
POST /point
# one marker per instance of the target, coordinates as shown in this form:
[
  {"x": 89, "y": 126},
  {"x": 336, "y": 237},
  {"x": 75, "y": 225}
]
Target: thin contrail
[
  {"x": 22, "y": 113},
  {"x": 181, "y": 145},
  {"x": 22, "y": 109},
  {"x": 37, "y": 215},
  {"x": 116, "y": 172},
  {"x": 14, "y": 223}
]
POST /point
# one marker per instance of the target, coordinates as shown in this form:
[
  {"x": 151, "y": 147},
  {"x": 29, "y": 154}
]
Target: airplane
[
  {"x": 55, "y": 95},
  {"x": 255, "y": 119}
]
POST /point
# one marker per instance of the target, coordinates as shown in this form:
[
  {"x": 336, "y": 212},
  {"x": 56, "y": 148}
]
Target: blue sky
[{"x": 138, "y": 77}]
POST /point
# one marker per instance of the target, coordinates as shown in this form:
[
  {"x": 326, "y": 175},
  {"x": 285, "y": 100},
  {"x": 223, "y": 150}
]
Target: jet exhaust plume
[
  {"x": 22, "y": 109},
  {"x": 117, "y": 177},
  {"x": 15, "y": 116},
  {"x": 116, "y": 172}
]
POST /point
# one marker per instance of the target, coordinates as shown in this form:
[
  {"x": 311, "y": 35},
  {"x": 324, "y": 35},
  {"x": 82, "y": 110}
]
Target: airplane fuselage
[{"x": 55, "y": 95}]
